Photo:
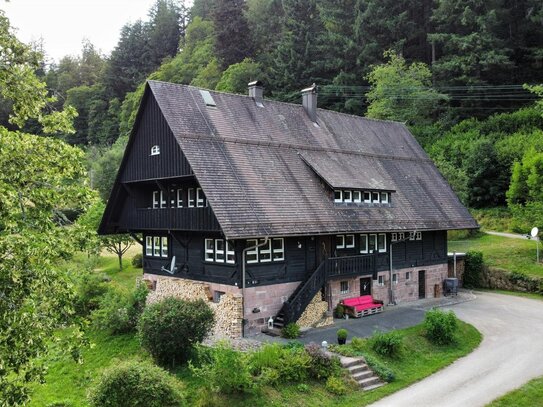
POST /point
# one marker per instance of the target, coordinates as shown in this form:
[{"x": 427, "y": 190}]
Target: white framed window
[
  {"x": 219, "y": 251},
  {"x": 265, "y": 252},
  {"x": 156, "y": 199},
  {"x": 372, "y": 243},
  {"x": 393, "y": 237},
  {"x": 340, "y": 241},
  {"x": 364, "y": 244},
  {"x": 418, "y": 236},
  {"x": 382, "y": 242},
  {"x": 230, "y": 253},
  {"x": 278, "y": 247},
  {"x": 180, "y": 198},
  {"x": 384, "y": 197},
  {"x": 164, "y": 246},
  {"x": 344, "y": 287},
  {"x": 252, "y": 255},
  {"x": 367, "y": 197},
  {"x": 347, "y": 196},
  {"x": 375, "y": 197},
  {"x": 349, "y": 241},
  {"x": 338, "y": 195},
  {"x": 155, "y": 150},
  {"x": 156, "y": 246},
  {"x": 357, "y": 196},
  {"x": 209, "y": 250},
  {"x": 148, "y": 245},
  {"x": 381, "y": 280},
  {"x": 395, "y": 278},
  {"x": 191, "y": 198},
  {"x": 401, "y": 236},
  {"x": 163, "y": 202},
  {"x": 200, "y": 198},
  {"x": 411, "y": 235},
  {"x": 407, "y": 276}
]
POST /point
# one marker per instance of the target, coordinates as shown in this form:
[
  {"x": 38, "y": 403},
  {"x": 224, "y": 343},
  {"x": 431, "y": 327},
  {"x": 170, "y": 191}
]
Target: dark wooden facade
[{"x": 302, "y": 256}]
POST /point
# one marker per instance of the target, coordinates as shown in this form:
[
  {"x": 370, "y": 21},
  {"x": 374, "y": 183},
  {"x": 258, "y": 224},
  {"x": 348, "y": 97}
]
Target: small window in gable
[
  {"x": 367, "y": 197},
  {"x": 357, "y": 196},
  {"x": 155, "y": 150},
  {"x": 347, "y": 196},
  {"x": 394, "y": 237},
  {"x": 418, "y": 235},
  {"x": 338, "y": 196},
  {"x": 375, "y": 197},
  {"x": 384, "y": 197}
]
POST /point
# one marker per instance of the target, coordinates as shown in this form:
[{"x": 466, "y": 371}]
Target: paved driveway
[{"x": 510, "y": 355}]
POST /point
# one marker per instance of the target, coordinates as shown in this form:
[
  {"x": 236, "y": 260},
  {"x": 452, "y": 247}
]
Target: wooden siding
[
  {"x": 198, "y": 219},
  {"x": 154, "y": 130},
  {"x": 299, "y": 262}
]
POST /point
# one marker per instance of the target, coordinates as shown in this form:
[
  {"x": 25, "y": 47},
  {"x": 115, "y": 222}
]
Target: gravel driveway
[{"x": 510, "y": 354}]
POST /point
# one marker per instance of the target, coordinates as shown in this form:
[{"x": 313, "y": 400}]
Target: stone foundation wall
[
  {"x": 315, "y": 315},
  {"x": 228, "y": 310},
  {"x": 495, "y": 278}
]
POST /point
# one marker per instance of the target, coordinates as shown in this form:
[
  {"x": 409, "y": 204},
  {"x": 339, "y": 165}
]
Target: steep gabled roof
[{"x": 261, "y": 167}]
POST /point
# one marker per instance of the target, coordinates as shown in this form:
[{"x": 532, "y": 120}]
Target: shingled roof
[{"x": 270, "y": 171}]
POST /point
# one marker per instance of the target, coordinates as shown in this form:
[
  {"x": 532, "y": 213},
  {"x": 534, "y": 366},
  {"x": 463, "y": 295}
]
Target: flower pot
[{"x": 341, "y": 341}]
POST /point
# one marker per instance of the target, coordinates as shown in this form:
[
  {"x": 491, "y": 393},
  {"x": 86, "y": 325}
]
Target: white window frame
[
  {"x": 418, "y": 235},
  {"x": 230, "y": 253},
  {"x": 191, "y": 198},
  {"x": 209, "y": 250},
  {"x": 163, "y": 202},
  {"x": 156, "y": 199},
  {"x": 164, "y": 246},
  {"x": 381, "y": 280},
  {"x": 340, "y": 245},
  {"x": 280, "y": 250},
  {"x": 373, "y": 200},
  {"x": 340, "y": 192},
  {"x": 220, "y": 255},
  {"x": 394, "y": 237},
  {"x": 401, "y": 236},
  {"x": 384, "y": 197},
  {"x": 265, "y": 251},
  {"x": 200, "y": 198},
  {"x": 411, "y": 235},
  {"x": 180, "y": 197},
  {"x": 395, "y": 278},
  {"x": 357, "y": 196},
  {"x": 374, "y": 237},
  {"x": 156, "y": 246},
  {"x": 341, "y": 290},
  {"x": 364, "y": 244},
  {"x": 347, "y": 196},
  {"x": 347, "y": 244},
  {"x": 384, "y": 236},
  {"x": 149, "y": 246},
  {"x": 155, "y": 150},
  {"x": 253, "y": 252},
  {"x": 368, "y": 194}
]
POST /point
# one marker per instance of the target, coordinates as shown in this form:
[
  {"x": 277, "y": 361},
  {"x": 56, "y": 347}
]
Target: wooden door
[
  {"x": 422, "y": 284},
  {"x": 365, "y": 286}
]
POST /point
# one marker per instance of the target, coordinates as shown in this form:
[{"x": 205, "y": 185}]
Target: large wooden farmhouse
[{"x": 275, "y": 202}]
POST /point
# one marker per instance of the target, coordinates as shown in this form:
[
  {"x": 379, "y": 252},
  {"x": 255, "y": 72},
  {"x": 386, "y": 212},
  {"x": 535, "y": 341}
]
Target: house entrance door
[
  {"x": 365, "y": 286},
  {"x": 422, "y": 284}
]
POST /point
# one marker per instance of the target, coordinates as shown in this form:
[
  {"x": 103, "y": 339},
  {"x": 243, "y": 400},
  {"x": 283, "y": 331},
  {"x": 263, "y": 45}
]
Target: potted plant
[
  {"x": 340, "y": 311},
  {"x": 341, "y": 336}
]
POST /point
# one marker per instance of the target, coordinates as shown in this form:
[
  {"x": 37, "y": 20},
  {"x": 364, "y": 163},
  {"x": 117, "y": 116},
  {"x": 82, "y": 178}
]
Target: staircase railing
[{"x": 330, "y": 268}]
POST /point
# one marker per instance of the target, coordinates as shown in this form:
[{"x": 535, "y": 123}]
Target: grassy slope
[
  {"x": 529, "y": 395},
  {"x": 517, "y": 255},
  {"x": 496, "y": 219}
]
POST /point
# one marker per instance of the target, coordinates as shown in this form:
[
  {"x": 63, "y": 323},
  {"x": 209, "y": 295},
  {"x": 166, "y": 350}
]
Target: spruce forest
[{"x": 462, "y": 74}]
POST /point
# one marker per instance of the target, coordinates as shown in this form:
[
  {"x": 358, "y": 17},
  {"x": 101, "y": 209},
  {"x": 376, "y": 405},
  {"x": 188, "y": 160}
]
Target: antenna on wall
[{"x": 172, "y": 269}]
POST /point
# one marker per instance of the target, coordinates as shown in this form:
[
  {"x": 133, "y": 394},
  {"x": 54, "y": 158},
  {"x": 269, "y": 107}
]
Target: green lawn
[
  {"x": 517, "y": 255},
  {"x": 529, "y": 395}
]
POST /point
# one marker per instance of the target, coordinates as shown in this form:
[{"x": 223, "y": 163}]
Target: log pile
[
  {"x": 228, "y": 311},
  {"x": 315, "y": 315}
]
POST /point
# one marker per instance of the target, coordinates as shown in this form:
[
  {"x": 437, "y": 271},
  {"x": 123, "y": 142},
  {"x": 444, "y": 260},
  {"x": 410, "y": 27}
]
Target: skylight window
[{"x": 208, "y": 99}]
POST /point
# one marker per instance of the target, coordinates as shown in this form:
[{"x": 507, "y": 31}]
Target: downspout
[
  {"x": 390, "y": 291},
  {"x": 243, "y": 281}
]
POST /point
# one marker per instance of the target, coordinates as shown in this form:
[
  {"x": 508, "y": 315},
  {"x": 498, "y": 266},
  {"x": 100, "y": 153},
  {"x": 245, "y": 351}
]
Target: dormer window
[
  {"x": 358, "y": 197},
  {"x": 155, "y": 150}
]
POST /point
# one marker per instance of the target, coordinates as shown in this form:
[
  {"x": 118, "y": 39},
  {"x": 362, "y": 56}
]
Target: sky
[{"x": 63, "y": 24}]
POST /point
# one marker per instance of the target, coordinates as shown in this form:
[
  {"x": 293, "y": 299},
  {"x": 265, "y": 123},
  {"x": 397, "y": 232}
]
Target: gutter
[{"x": 266, "y": 239}]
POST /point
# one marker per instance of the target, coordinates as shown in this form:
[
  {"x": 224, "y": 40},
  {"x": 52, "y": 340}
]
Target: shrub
[
  {"x": 302, "y": 388},
  {"x": 137, "y": 261},
  {"x": 339, "y": 311},
  {"x": 119, "y": 311},
  {"x": 336, "y": 385},
  {"x": 322, "y": 365},
  {"x": 136, "y": 384},
  {"x": 169, "y": 329},
  {"x": 358, "y": 344},
  {"x": 89, "y": 290},
  {"x": 342, "y": 333},
  {"x": 269, "y": 356},
  {"x": 290, "y": 331},
  {"x": 294, "y": 366},
  {"x": 293, "y": 345},
  {"x": 473, "y": 269},
  {"x": 387, "y": 344},
  {"x": 223, "y": 369},
  {"x": 380, "y": 370},
  {"x": 440, "y": 326}
]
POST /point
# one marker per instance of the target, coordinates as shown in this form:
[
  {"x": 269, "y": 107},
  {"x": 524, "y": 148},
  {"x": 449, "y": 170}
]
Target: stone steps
[{"x": 361, "y": 373}]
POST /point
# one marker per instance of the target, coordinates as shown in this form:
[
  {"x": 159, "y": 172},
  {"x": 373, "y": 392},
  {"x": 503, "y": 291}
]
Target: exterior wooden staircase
[{"x": 361, "y": 373}]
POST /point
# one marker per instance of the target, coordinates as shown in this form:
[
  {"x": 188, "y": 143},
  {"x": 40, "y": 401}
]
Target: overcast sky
[{"x": 63, "y": 24}]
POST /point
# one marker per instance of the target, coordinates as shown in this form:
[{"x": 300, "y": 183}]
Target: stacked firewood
[{"x": 315, "y": 314}]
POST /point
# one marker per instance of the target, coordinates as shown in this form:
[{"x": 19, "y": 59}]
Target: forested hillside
[{"x": 453, "y": 70}]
